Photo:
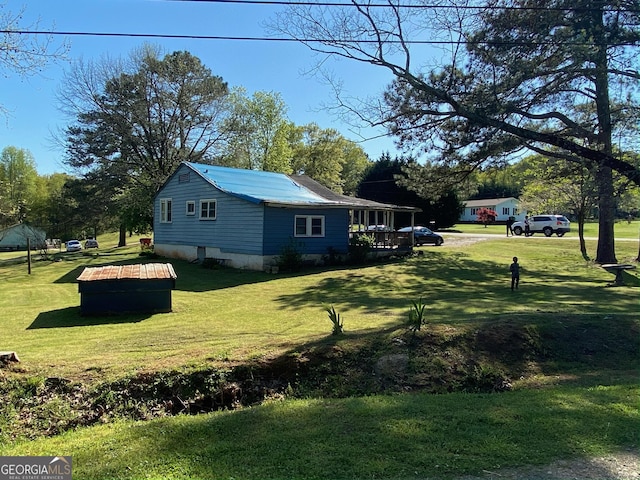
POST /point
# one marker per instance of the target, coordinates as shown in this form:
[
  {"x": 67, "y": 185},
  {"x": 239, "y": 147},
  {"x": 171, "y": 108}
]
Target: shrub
[
  {"x": 290, "y": 259},
  {"x": 359, "y": 248},
  {"x": 332, "y": 257}
]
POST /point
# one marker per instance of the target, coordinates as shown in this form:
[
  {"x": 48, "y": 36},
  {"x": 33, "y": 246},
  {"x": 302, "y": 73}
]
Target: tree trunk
[
  {"x": 606, "y": 206},
  {"x": 122, "y": 242},
  {"x": 604, "y": 176},
  {"x": 583, "y": 245}
]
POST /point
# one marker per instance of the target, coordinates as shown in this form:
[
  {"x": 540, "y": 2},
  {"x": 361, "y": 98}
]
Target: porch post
[{"x": 413, "y": 221}]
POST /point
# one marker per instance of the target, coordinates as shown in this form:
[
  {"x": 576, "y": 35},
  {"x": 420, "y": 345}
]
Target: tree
[
  {"x": 486, "y": 216},
  {"x": 355, "y": 163},
  {"x": 519, "y": 77},
  {"x": 49, "y": 208},
  {"x": 21, "y": 52},
  {"x": 18, "y": 178},
  {"x": 135, "y": 122},
  {"x": 555, "y": 186},
  {"x": 258, "y": 133},
  {"x": 384, "y": 182},
  {"x": 329, "y": 158},
  {"x": 500, "y": 181}
]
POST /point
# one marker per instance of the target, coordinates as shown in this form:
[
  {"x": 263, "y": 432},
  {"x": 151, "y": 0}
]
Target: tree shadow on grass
[
  {"x": 71, "y": 317},
  {"x": 409, "y": 436},
  {"x": 191, "y": 277},
  {"x": 453, "y": 283}
]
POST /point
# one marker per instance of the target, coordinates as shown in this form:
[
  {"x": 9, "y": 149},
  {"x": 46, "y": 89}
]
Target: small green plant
[
  {"x": 417, "y": 315},
  {"x": 290, "y": 259},
  {"x": 335, "y": 319},
  {"x": 359, "y": 248}
]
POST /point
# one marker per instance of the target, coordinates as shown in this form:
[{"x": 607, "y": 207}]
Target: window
[
  {"x": 191, "y": 208},
  {"x": 309, "y": 226},
  {"x": 505, "y": 210},
  {"x": 474, "y": 211},
  {"x": 165, "y": 210},
  {"x": 207, "y": 209}
]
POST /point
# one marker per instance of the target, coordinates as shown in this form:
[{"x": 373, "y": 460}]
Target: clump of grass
[
  {"x": 335, "y": 320},
  {"x": 416, "y": 315}
]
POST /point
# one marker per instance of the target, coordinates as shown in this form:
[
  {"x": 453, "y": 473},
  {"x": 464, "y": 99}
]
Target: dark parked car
[
  {"x": 423, "y": 235},
  {"x": 91, "y": 243}
]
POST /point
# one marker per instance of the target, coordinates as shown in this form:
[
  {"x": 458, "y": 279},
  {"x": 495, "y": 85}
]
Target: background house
[
  {"x": 504, "y": 207},
  {"x": 247, "y": 217},
  {"x": 15, "y": 237}
]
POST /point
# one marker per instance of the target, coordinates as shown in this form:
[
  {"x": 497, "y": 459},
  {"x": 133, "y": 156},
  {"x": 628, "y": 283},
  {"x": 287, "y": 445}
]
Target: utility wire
[
  {"x": 391, "y": 4},
  {"x": 328, "y": 41}
]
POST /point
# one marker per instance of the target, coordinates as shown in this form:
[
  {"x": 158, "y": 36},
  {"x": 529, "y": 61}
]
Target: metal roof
[
  {"x": 257, "y": 186},
  {"x": 144, "y": 271},
  {"x": 272, "y": 188}
]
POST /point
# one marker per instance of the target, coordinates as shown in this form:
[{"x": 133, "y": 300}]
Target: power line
[
  {"x": 328, "y": 41},
  {"x": 390, "y": 4}
]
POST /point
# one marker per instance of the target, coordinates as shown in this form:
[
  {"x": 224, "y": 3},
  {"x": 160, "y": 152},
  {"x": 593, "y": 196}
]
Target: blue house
[{"x": 247, "y": 217}]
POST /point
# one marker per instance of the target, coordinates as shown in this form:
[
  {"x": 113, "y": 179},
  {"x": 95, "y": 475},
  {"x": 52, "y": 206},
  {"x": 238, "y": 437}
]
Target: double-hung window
[
  {"x": 207, "y": 209},
  {"x": 191, "y": 207},
  {"x": 309, "y": 226},
  {"x": 165, "y": 210}
]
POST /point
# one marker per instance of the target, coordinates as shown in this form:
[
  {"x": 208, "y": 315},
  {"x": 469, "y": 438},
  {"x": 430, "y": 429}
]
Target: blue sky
[{"x": 256, "y": 66}]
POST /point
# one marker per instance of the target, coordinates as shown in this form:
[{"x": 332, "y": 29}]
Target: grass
[
  {"x": 212, "y": 321},
  {"x": 404, "y": 436},
  {"x": 226, "y": 316},
  {"x": 622, "y": 229}
]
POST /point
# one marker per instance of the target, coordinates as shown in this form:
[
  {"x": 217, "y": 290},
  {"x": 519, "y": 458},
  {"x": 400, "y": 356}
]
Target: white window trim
[
  {"x": 208, "y": 200},
  {"x": 309, "y": 219},
  {"x": 190, "y": 203},
  {"x": 164, "y": 212}
]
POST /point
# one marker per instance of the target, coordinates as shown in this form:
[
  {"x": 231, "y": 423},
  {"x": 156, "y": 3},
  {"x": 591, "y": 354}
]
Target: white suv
[{"x": 547, "y": 224}]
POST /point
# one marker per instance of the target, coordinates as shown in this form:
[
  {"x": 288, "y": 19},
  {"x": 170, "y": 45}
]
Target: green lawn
[
  {"x": 622, "y": 229},
  {"x": 226, "y": 316},
  {"x": 234, "y": 315},
  {"x": 390, "y": 437}
]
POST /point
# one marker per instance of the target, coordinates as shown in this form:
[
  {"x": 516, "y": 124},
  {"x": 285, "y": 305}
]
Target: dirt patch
[
  {"x": 462, "y": 240},
  {"x": 619, "y": 466}
]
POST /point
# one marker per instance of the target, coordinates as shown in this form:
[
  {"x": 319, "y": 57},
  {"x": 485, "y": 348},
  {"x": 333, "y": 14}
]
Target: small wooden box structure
[{"x": 139, "y": 288}]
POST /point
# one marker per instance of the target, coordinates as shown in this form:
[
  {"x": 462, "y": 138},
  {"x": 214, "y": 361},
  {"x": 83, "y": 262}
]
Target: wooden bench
[{"x": 617, "y": 269}]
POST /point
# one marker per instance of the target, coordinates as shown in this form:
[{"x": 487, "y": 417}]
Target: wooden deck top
[{"x": 146, "y": 271}]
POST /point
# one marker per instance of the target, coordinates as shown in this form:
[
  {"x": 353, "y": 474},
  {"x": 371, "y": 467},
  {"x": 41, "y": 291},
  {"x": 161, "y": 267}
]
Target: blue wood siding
[
  {"x": 279, "y": 230},
  {"x": 238, "y": 227}
]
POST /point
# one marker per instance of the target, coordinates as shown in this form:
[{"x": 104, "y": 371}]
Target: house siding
[
  {"x": 15, "y": 237},
  {"x": 253, "y": 222},
  {"x": 279, "y": 231},
  {"x": 237, "y": 228}
]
